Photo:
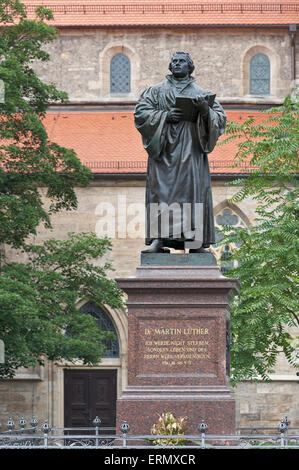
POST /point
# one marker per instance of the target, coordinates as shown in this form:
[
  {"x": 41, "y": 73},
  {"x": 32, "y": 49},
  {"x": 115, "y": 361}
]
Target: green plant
[
  {"x": 38, "y": 302},
  {"x": 169, "y": 425},
  {"x": 264, "y": 315},
  {"x": 29, "y": 160}
]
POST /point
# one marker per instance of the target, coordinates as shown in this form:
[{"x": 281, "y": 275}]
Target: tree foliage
[
  {"x": 38, "y": 299},
  {"x": 265, "y": 314},
  {"x": 28, "y": 158},
  {"x": 38, "y": 302}
]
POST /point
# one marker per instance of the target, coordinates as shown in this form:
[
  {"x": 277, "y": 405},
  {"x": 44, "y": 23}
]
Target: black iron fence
[{"x": 45, "y": 436}]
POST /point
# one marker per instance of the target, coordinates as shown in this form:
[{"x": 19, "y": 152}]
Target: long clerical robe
[{"x": 178, "y": 168}]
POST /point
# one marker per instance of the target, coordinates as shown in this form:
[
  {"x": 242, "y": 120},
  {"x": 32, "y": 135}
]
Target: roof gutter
[{"x": 169, "y": 26}]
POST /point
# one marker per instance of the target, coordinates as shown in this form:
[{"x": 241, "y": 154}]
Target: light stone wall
[
  {"x": 80, "y": 60},
  {"x": 265, "y": 404},
  {"x": 28, "y": 394},
  {"x": 40, "y": 392}
]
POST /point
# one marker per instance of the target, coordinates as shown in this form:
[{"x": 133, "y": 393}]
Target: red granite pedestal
[{"x": 178, "y": 361}]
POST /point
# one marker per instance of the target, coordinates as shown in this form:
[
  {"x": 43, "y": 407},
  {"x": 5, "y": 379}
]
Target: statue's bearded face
[{"x": 179, "y": 66}]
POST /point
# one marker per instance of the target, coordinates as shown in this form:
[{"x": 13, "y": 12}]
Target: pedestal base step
[{"x": 141, "y": 407}]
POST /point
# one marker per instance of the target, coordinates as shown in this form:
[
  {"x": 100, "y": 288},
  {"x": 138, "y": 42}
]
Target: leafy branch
[{"x": 265, "y": 317}]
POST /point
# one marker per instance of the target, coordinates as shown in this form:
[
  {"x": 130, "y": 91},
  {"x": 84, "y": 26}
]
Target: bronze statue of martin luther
[{"x": 180, "y": 124}]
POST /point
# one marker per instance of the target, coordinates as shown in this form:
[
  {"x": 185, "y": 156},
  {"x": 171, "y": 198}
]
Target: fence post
[
  {"x": 33, "y": 423},
  {"x": 281, "y": 428},
  {"x": 46, "y": 428},
  {"x": 202, "y": 427},
  {"x": 22, "y": 424},
  {"x": 287, "y": 422},
  {"x": 96, "y": 422},
  {"x": 10, "y": 426},
  {"x": 125, "y": 428}
]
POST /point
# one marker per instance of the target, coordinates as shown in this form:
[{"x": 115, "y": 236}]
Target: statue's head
[{"x": 181, "y": 62}]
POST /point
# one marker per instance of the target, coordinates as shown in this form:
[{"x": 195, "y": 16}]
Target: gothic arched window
[
  {"x": 259, "y": 75},
  {"x": 105, "y": 324},
  {"x": 223, "y": 252},
  {"x": 120, "y": 74}
]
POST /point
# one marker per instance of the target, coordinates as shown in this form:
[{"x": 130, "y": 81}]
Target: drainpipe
[{"x": 292, "y": 31}]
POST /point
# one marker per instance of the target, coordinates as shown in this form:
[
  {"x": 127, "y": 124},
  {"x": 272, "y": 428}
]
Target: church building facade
[{"x": 105, "y": 55}]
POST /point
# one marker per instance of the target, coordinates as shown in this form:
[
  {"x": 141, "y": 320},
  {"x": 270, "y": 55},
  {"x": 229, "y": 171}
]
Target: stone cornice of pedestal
[
  {"x": 181, "y": 392},
  {"x": 173, "y": 277},
  {"x": 178, "y": 273},
  {"x": 201, "y": 281}
]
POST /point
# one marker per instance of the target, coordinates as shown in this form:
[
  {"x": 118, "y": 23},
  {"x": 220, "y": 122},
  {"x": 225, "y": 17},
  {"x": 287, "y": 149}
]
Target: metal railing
[
  {"x": 163, "y": 7},
  {"x": 35, "y": 437},
  {"x": 142, "y": 165}
]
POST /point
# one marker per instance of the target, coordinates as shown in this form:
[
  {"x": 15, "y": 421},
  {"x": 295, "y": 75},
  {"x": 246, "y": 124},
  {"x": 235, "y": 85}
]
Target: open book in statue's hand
[{"x": 189, "y": 107}]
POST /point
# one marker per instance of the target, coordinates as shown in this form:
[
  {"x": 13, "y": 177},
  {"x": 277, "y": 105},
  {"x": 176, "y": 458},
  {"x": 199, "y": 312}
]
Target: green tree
[
  {"x": 265, "y": 314},
  {"x": 29, "y": 159},
  {"x": 38, "y": 298}
]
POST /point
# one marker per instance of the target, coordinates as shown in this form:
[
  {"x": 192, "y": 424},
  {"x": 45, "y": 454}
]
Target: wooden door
[{"x": 87, "y": 394}]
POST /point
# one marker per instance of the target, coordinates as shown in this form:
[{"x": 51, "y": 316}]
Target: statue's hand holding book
[
  {"x": 174, "y": 115},
  {"x": 191, "y": 107}
]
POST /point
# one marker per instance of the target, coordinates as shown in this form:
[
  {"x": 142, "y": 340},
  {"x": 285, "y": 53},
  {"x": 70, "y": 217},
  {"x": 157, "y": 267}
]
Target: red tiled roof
[
  {"x": 134, "y": 13},
  {"x": 108, "y": 142}
]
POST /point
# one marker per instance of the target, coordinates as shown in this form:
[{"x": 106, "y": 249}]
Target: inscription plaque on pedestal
[
  {"x": 178, "y": 318},
  {"x": 169, "y": 347}
]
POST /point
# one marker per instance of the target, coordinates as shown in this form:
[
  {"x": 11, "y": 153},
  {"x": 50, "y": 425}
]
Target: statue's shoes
[
  {"x": 155, "y": 247},
  {"x": 198, "y": 250}
]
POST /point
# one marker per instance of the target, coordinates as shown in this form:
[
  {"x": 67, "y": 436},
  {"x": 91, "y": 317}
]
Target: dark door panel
[{"x": 87, "y": 394}]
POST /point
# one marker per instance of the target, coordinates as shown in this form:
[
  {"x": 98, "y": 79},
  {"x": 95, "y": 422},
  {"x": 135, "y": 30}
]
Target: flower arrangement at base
[{"x": 168, "y": 425}]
